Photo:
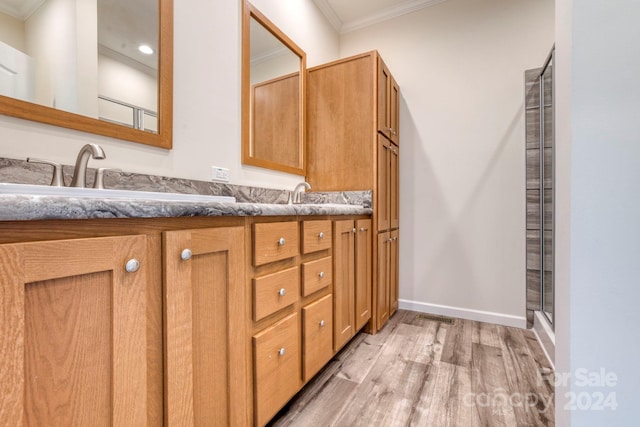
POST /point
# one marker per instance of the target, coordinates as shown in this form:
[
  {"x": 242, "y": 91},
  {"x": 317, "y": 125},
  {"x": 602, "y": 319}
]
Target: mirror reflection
[
  {"x": 273, "y": 102},
  {"x": 83, "y": 57}
]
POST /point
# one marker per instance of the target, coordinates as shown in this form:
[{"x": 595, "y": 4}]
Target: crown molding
[
  {"x": 387, "y": 13},
  {"x": 22, "y": 11},
  {"x": 330, "y": 14}
]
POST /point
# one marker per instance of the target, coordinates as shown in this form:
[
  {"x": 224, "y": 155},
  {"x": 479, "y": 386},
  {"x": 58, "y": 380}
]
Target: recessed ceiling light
[{"x": 145, "y": 49}]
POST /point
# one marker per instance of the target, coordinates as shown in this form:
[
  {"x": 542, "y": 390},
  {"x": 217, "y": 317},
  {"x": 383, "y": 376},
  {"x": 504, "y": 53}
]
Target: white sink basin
[{"x": 45, "y": 190}]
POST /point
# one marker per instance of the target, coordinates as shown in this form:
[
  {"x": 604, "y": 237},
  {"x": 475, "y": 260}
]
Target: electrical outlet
[{"x": 219, "y": 174}]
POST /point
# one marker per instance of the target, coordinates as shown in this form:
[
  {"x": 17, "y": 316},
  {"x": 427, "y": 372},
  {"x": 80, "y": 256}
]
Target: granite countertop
[
  {"x": 20, "y": 208},
  {"x": 251, "y": 201}
]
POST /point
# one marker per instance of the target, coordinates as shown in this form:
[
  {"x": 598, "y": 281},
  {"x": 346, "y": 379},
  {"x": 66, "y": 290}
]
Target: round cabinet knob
[
  {"x": 353, "y": 231},
  {"x": 321, "y": 274},
  {"x": 282, "y": 292},
  {"x": 321, "y": 235},
  {"x": 281, "y": 351},
  {"x": 186, "y": 254},
  {"x": 362, "y": 229},
  {"x": 281, "y": 242},
  {"x": 322, "y": 323},
  {"x": 132, "y": 265}
]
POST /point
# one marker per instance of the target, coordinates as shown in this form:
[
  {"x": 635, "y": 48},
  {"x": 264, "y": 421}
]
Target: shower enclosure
[{"x": 539, "y": 92}]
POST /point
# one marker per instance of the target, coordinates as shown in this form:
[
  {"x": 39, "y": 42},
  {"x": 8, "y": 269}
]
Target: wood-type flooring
[{"x": 421, "y": 372}]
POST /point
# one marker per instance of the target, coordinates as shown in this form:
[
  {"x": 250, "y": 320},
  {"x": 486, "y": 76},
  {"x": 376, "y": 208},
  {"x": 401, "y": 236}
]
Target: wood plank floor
[{"x": 421, "y": 372}]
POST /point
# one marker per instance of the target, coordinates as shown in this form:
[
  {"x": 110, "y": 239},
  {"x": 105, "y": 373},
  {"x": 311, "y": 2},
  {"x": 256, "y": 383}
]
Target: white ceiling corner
[
  {"x": 329, "y": 13},
  {"x": 351, "y": 15},
  {"x": 20, "y": 9}
]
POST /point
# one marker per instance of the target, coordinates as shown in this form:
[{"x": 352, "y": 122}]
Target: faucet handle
[
  {"x": 56, "y": 180},
  {"x": 98, "y": 182}
]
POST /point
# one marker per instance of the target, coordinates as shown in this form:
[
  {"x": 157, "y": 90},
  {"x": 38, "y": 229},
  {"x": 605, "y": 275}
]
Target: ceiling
[{"x": 351, "y": 15}]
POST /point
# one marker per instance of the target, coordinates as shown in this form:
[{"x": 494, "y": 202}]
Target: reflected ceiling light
[{"x": 145, "y": 49}]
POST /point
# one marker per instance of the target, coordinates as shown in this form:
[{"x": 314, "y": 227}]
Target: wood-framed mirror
[
  {"x": 273, "y": 101},
  {"x": 81, "y": 65}
]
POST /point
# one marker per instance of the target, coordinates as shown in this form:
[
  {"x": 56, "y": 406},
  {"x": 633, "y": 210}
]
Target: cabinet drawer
[
  {"x": 316, "y": 275},
  {"x": 274, "y": 241},
  {"x": 276, "y": 353},
  {"x": 318, "y": 335},
  {"x": 274, "y": 292},
  {"x": 316, "y": 236}
]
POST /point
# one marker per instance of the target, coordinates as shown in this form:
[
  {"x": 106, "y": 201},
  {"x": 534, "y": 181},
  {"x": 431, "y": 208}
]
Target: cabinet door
[
  {"x": 394, "y": 112},
  {"x": 394, "y": 187},
  {"x": 384, "y": 97},
  {"x": 205, "y": 365},
  {"x": 317, "y": 336},
  {"x": 363, "y": 272},
  {"x": 73, "y": 332},
  {"x": 382, "y": 293},
  {"x": 383, "y": 184},
  {"x": 343, "y": 282},
  {"x": 276, "y": 365},
  {"x": 393, "y": 272}
]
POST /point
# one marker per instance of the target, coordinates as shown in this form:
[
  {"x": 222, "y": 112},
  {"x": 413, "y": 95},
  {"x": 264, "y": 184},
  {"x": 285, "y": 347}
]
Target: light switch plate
[{"x": 219, "y": 174}]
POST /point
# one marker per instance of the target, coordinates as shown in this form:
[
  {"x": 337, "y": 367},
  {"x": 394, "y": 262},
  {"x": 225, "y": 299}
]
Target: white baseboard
[{"x": 465, "y": 313}]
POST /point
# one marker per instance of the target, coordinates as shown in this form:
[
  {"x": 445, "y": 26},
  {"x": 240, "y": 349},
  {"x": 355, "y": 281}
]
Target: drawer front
[
  {"x": 318, "y": 335},
  {"x": 274, "y": 292},
  {"x": 276, "y": 353},
  {"x": 275, "y": 241},
  {"x": 316, "y": 236},
  {"x": 316, "y": 275}
]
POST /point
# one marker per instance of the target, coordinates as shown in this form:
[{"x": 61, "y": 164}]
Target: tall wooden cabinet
[{"x": 353, "y": 144}]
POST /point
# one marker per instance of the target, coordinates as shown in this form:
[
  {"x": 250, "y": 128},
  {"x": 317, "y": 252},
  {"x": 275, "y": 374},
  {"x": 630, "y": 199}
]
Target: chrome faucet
[
  {"x": 80, "y": 169},
  {"x": 295, "y": 197}
]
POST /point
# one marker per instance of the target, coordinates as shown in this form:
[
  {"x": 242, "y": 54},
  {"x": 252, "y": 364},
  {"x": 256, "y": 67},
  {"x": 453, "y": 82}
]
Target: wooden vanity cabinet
[
  {"x": 73, "y": 332},
  {"x": 353, "y": 106},
  {"x": 191, "y": 335}
]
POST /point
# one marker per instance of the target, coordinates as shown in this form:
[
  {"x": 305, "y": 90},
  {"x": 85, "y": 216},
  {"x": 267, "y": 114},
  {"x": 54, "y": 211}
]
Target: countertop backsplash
[{"x": 22, "y": 172}]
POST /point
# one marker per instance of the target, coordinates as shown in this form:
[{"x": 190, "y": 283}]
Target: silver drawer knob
[
  {"x": 321, "y": 235},
  {"x": 321, "y": 274},
  {"x": 282, "y": 292},
  {"x": 132, "y": 265},
  {"x": 281, "y": 351},
  {"x": 322, "y": 323},
  {"x": 281, "y": 242},
  {"x": 186, "y": 254},
  {"x": 362, "y": 229},
  {"x": 354, "y": 230}
]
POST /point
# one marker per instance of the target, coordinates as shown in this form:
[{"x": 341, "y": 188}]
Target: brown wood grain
[
  {"x": 343, "y": 282},
  {"x": 311, "y": 236},
  {"x": 266, "y": 237},
  {"x": 266, "y": 292},
  {"x": 278, "y": 377},
  {"x": 316, "y": 275},
  {"x": 363, "y": 272},
  {"x": 317, "y": 338}
]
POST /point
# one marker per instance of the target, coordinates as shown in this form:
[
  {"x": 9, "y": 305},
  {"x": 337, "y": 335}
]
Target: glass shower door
[{"x": 547, "y": 187}]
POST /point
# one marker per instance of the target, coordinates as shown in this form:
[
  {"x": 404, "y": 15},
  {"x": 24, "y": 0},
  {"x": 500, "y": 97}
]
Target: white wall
[
  {"x": 206, "y": 99},
  {"x": 598, "y": 154},
  {"x": 12, "y": 32},
  {"x": 127, "y": 83},
  {"x": 460, "y": 68}
]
